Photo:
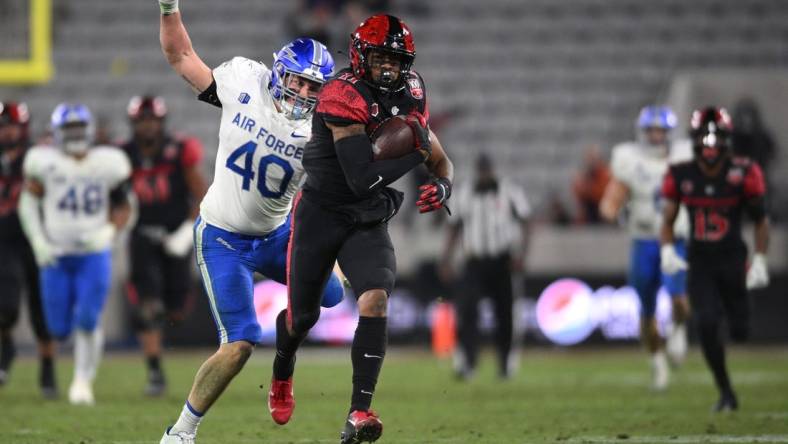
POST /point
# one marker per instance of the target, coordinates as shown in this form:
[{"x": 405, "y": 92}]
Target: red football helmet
[
  {"x": 15, "y": 113},
  {"x": 384, "y": 33},
  {"x": 146, "y": 106},
  {"x": 711, "y": 129}
]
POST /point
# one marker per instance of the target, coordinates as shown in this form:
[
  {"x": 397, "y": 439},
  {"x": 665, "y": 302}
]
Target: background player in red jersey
[
  {"x": 343, "y": 210},
  {"x": 19, "y": 272},
  {"x": 717, "y": 188},
  {"x": 169, "y": 186}
]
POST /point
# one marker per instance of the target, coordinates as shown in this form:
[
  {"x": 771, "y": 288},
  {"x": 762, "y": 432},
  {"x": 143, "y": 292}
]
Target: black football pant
[
  {"x": 486, "y": 277},
  {"x": 159, "y": 284},
  {"x": 717, "y": 290},
  {"x": 321, "y": 236},
  {"x": 18, "y": 275}
]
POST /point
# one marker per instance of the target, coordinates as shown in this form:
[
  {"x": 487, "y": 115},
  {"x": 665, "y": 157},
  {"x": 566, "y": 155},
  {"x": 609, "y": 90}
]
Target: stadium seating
[{"x": 531, "y": 81}]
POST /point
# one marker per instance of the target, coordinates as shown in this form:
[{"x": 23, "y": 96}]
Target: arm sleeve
[
  {"x": 191, "y": 153},
  {"x": 365, "y": 177},
  {"x": 339, "y": 103},
  {"x": 669, "y": 189},
  {"x": 119, "y": 195},
  {"x": 210, "y": 96}
]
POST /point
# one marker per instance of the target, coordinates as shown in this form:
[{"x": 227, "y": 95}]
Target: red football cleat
[
  {"x": 280, "y": 400},
  {"x": 361, "y": 427}
]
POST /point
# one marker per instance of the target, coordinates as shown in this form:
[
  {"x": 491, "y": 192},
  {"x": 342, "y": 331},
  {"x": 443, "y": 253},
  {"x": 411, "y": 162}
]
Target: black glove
[
  {"x": 434, "y": 195},
  {"x": 421, "y": 133}
]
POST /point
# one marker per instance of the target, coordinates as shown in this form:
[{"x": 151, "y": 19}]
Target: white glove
[
  {"x": 670, "y": 262},
  {"x": 99, "y": 239},
  {"x": 758, "y": 273},
  {"x": 168, "y": 7},
  {"x": 179, "y": 243},
  {"x": 45, "y": 253}
]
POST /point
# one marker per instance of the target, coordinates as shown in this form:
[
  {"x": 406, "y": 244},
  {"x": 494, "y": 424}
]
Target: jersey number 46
[{"x": 247, "y": 172}]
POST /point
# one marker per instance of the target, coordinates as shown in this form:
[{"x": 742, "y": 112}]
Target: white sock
[
  {"x": 96, "y": 349},
  {"x": 82, "y": 345},
  {"x": 188, "y": 421}
]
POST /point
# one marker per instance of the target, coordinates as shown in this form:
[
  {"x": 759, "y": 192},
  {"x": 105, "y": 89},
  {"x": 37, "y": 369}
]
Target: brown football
[{"x": 392, "y": 139}]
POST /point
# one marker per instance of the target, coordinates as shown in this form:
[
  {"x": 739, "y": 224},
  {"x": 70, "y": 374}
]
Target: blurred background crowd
[{"x": 544, "y": 89}]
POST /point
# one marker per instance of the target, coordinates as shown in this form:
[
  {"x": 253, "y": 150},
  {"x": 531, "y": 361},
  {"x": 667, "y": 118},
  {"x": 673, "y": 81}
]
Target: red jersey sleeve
[
  {"x": 340, "y": 102},
  {"x": 669, "y": 189},
  {"x": 191, "y": 153},
  {"x": 754, "y": 184}
]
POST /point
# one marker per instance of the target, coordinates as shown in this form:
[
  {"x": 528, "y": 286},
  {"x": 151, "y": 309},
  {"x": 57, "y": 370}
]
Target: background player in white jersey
[
  {"x": 638, "y": 169},
  {"x": 81, "y": 192},
  {"x": 244, "y": 218}
]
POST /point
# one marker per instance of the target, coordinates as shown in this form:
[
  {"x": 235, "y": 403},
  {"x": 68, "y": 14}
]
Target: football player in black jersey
[
  {"x": 169, "y": 186},
  {"x": 717, "y": 188},
  {"x": 342, "y": 213},
  {"x": 19, "y": 273}
]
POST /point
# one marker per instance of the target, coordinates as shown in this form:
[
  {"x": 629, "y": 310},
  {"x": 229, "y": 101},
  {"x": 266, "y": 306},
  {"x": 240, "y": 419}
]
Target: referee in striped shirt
[{"x": 491, "y": 218}]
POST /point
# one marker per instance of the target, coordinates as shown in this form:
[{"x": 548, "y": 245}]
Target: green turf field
[{"x": 560, "y": 396}]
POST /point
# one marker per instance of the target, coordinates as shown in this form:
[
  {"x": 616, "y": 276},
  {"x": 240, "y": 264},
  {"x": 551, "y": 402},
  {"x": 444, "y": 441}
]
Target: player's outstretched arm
[
  {"x": 177, "y": 48},
  {"x": 616, "y": 194}
]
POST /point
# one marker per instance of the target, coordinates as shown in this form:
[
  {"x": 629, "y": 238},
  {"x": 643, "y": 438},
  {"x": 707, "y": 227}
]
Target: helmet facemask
[
  {"x": 74, "y": 137},
  {"x": 386, "y": 69},
  {"x": 711, "y": 146},
  {"x": 288, "y": 93}
]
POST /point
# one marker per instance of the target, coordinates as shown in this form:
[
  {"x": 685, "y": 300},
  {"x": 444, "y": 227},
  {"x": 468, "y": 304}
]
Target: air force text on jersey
[{"x": 263, "y": 136}]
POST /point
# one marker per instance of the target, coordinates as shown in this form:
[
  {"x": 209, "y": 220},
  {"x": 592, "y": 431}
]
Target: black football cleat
[
  {"x": 726, "y": 403},
  {"x": 48, "y": 384},
  {"x": 361, "y": 427},
  {"x": 157, "y": 384}
]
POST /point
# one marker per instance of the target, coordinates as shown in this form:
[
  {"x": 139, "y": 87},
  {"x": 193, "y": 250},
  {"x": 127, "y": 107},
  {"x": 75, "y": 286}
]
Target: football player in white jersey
[
  {"x": 244, "y": 223},
  {"x": 75, "y": 200},
  {"x": 638, "y": 169}
]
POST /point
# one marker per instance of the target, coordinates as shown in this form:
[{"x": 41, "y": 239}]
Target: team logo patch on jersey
[
  {"x": 373, "y": 110},
  {"x": 686, "y": 187},
  {"x": 735, "y": 176},
  {"x": 394, "y": 110},
  {"x": 415, "y": 89},
  {"x": 244, "y": 98}
]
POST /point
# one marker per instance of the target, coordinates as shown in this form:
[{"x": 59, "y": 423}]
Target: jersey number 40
[{"x": 248, "y": 174}]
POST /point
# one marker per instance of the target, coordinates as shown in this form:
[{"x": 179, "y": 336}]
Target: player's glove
[
  {"x": 45, "y": 253},
  {"x": 758, "y": 273},
  {"x": 168, "y": 7},
  {"x": 98, "y": 239},
  {"x": 434, "y": 195},
  {"x": 179, "y": 243},
  {"x": 421, "y": 133},
  {"x": 670, "y": 261}
]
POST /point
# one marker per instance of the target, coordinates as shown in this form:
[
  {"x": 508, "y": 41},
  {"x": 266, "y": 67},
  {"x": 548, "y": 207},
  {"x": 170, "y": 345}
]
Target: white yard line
[{"x": 677, "y": 439}]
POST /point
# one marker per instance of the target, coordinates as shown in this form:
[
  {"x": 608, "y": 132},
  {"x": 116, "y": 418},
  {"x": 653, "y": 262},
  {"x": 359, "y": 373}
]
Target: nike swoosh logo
[
  {"x": 366, "y": 392},
  {"x": 380, "y": 178},
  {"x": 372, "y": 356},
  {"x": 296, "y": 136}
]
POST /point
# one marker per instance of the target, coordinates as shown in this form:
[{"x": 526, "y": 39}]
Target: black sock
[
  {"x": 7, "y": 352},
  {"x": 47, "y": 376},
  {"x": 714, "y": 352},
  {"x": 286, "y": 347},
  {"x": 367, "y": 352},
  {"x": 154, "y": 363}
]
